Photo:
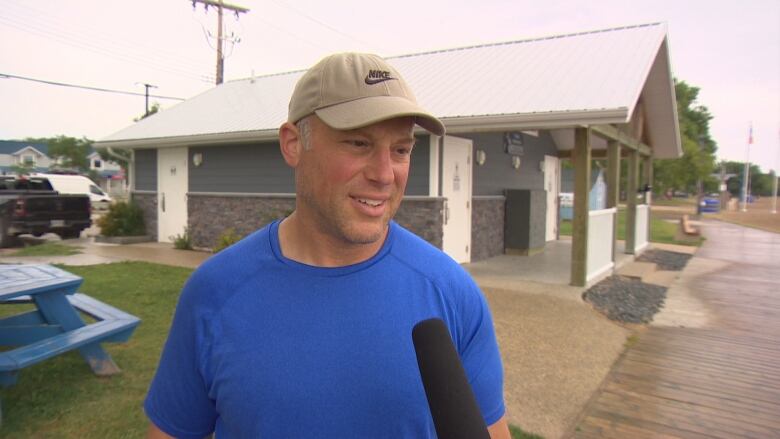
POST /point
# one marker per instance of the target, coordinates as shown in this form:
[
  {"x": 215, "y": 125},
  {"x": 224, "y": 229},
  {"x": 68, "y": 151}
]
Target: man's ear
[{"x": 290, "y": 143}]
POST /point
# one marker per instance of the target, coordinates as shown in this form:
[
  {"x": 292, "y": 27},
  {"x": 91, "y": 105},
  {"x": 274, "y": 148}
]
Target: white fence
[
  {"x": 641, "y": 231},
  {"x": 600, "y": 231}
]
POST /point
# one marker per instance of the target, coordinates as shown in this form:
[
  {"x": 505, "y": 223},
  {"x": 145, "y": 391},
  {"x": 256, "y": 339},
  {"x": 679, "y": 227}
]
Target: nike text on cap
[{"x": 353, "y": 90}]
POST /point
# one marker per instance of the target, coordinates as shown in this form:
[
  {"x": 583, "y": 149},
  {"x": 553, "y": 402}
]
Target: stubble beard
[{"x": 338, "y": 222}]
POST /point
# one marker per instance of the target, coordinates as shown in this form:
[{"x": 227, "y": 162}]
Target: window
[
  {"x": 28, "y": 159},
  {"x": 96, "y": 163},
  {"x": 95, "y": 190}
]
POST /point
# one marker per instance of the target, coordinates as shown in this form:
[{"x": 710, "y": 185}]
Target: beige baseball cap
[{"x": 353, "y": 90}]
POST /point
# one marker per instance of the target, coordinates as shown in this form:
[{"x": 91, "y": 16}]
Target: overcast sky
[{"x": 730, "y": 50}]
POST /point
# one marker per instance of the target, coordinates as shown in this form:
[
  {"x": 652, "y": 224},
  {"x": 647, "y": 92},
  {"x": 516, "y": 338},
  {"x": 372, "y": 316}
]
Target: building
[
  {"x": 489, "y": 186},
  {"x": 14, "y": 154}
]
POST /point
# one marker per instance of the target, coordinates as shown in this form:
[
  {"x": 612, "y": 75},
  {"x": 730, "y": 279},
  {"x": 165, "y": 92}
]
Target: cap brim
[{"x": 367, "y": 111}]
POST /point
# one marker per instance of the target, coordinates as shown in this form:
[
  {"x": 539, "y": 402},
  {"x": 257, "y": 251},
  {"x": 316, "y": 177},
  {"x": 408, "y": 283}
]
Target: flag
[{"x": 750, "y": 135}]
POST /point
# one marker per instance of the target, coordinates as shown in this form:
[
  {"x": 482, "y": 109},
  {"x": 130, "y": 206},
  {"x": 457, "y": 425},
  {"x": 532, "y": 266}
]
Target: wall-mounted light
[
  {"x": 516, "y": 161},
  {"x": 197, "y": 158},
  {"x": 481, "y": 156}
]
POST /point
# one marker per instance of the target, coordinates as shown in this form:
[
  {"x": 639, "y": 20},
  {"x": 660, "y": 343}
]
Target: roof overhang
[
  {"x": 194, "y": 140},
  {"x": 454, "y": 125},
  {"x": 28, "y": 148},
  {"x": 530, "y": 121}
]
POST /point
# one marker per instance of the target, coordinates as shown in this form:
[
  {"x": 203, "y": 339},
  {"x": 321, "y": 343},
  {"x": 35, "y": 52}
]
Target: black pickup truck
[{"x": 30, "y": 205}]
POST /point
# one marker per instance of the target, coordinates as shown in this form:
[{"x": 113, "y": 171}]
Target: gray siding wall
[
  {"x": 255, "y": 168},
  {"x": 148, "y": 203},
  {"x": 419, "y": 170},
  {"x": 497, "y": 174},
  {"x": 260, "y": 168},
  {"x": 145, "y": 169},
  {"x": 487, "y": 227}
]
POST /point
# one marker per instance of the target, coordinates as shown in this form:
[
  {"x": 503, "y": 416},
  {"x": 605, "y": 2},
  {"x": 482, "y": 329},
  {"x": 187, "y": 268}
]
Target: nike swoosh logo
[{"x": 372, "y": 81}]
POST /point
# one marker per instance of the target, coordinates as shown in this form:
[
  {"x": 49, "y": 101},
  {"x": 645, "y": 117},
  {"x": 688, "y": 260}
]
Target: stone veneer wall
[
  {"x": 147, "y": 201},
  {"x": 211, "y": 214},
  {"x": 487, "y": 227},
  {"x": 423, "y": 217}
]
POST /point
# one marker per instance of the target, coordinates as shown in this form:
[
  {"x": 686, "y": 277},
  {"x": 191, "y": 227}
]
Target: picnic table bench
[{"x": 55, "y": 326}]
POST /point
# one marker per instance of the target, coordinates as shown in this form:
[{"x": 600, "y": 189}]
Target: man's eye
[{"x": 358, "y": 143}]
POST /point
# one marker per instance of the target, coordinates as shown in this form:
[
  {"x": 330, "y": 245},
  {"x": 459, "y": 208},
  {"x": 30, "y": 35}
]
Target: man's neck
[{"x": 310, "y": 246}]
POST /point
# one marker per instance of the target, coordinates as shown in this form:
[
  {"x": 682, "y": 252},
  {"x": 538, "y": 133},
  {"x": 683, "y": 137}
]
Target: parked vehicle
[
  {"x": 31, "y": 205},
  {"x": 78, "y": 184},
  {"x": 709, "y": 204}
]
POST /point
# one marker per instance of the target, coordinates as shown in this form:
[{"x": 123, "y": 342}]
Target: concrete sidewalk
[
  {"x": 93, "y": 253},
  {"x": 556, "y": 348}
]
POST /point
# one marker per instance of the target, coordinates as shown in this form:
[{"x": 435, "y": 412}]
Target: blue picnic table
[{"x": 55, "y": 326}]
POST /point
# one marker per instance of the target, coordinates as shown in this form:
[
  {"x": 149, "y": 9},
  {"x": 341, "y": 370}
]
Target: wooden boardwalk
[{"x": 722, "y": 381}]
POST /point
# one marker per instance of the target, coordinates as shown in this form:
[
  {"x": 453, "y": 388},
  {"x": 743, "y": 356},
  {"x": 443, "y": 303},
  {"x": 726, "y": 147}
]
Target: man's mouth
[{"x": 369, "y": 202}]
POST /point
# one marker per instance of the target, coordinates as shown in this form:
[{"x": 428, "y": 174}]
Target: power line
[
  {"x": 84, "y": 32},
  {"x": 127, "y": 57},
  {"x": 321, "y": 23},
  {"x": 86, "y": 87}
]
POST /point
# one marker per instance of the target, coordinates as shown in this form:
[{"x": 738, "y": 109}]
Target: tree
[
  {"x": 23, "y": 168},
  {"x": 152, "y": 110},
  {"x": 760, "y": 183},
  {"x": 698, "y": 160},
  {"x": 119, "y": 156},
  {"x": 68, "y": 152}
]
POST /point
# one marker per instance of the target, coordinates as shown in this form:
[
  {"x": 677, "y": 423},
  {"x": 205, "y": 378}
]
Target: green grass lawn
[
  {"x": 517, "y": 433},
  {"x": 675, "y": 202},
  {"x": 61, "y": 398},
  {"x": 51, "y": 248},
  {"x": 660, "y": 230}
]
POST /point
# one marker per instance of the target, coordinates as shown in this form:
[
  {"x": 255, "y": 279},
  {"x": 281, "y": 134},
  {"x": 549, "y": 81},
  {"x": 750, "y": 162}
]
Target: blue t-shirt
[{"x": 263, "y": 346}]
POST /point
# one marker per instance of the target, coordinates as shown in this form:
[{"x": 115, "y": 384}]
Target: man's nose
[{"x": 380, "y": 167}]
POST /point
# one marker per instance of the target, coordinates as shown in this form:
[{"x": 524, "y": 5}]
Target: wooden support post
[
  {"x": 579, "y": 251},
  {"x": 613, "y": 186},
  {"x": 631, "y": 192}
]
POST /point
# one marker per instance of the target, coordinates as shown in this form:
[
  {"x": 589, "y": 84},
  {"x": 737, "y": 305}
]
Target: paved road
[{"x": 716, "y": 378}]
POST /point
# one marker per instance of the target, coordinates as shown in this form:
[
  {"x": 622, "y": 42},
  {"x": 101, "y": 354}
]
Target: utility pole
[
  {"x": 220, "y": 5},
  {"x": 147, "y": 86}
]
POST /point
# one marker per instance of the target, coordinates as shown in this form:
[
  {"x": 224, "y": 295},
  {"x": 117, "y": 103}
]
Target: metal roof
[{"x": 553, "y": 82}]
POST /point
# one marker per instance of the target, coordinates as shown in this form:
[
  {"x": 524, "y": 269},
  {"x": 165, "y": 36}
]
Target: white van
[{"x": 78, "y": 184}]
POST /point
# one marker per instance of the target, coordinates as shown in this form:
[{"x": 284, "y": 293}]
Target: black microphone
[{"x": 453, "y": 405}]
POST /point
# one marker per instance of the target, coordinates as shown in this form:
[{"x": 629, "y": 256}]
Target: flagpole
[
  {"x": 746, "y": 173},
  {"x": 774, "y": 180}
]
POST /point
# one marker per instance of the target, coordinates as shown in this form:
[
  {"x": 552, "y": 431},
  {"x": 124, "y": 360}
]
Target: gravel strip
[
  {"x": 666, "y": 260},
  {"x": 625, "y": 299}
]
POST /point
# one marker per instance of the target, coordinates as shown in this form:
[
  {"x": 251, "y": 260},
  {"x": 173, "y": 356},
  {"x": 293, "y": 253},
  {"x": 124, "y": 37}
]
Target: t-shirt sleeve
[
  {"x": 480, "y": 355},
  {"x": 178, "y": 402}
]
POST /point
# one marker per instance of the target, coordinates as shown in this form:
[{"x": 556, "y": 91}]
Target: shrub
[
  {"x": 182, "y": 242},
  {"x": 122, "y": 219},
  {"x": 226, "y": 239}
]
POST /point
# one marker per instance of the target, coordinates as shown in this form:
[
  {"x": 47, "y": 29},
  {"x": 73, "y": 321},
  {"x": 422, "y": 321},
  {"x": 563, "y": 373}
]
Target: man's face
[{"x": 350, "y": 183}]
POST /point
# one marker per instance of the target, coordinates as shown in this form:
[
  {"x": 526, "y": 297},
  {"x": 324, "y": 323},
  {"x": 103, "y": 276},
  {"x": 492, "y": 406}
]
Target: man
[{"x": 303, "y": 329}]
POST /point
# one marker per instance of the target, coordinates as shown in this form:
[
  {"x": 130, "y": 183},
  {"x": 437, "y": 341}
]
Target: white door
[
  {"x": 456, "y": 189},
  {"x": 552, "y": 180},
  {"x": 171, "y": 192}
]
